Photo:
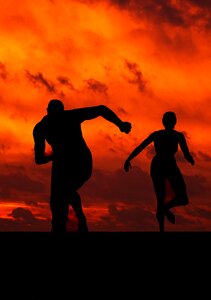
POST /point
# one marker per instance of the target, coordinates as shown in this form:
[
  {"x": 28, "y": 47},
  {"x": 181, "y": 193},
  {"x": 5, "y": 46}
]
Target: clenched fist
[{"x": 125, "y": 127}]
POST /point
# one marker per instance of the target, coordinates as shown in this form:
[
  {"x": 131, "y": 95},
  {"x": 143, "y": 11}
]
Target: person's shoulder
[
  {"x": 75, "y": 114},
  {"x": 152, "y": 136},
  {"x": 157, "y": 132},
  {"x": 179, "y": 133},
  {"x": 70, "y": 112},
  {"x": 39, "y": 126}
]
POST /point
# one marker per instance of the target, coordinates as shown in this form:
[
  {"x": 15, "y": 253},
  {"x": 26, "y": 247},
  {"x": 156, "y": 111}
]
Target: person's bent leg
[
  {"x": 159, "y": 187},
  {"x": 59, "y": 213},
  {"x": 59, "y": 207},
  {"x": 177, "y": 183},
  {"x": 75, "y": 202}
]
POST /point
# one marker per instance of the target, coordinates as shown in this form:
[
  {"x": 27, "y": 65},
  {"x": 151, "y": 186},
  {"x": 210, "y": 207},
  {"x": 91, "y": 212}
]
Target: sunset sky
[{"x": 140, "y": 58}]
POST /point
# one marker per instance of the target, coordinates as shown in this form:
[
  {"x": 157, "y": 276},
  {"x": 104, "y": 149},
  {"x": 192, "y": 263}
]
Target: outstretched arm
[
  {"x": 185, "y": 150},
  {"x": 93, "y": 112},
  {"x": 137, "y": 150},
  {"x": 39, "y": 147}
]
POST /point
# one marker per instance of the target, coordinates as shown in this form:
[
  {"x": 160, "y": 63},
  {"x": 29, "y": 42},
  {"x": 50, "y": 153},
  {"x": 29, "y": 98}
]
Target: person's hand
[
  {"x": 127, "y": 165},
  {"x": 125, "y": 127}
]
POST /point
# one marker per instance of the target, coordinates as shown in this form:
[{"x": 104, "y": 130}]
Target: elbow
[
  {"x": 102, "y": 108},
  {"x": 38, "y": 161},
  {"x": 190, "y": 159}
]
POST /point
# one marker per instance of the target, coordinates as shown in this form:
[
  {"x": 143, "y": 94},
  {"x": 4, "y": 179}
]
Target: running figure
[
  {"x": 164, "y": 166},
  {"x": 71, "y": 157}
]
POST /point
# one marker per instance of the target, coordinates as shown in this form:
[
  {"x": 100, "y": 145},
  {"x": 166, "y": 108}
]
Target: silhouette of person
[
  {"x": 71, "y": 157},
  {"x": 164, "y": 167}
]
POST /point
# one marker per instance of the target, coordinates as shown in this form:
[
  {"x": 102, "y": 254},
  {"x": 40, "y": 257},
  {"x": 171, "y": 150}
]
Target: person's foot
[{"x": 170, "y": 216}]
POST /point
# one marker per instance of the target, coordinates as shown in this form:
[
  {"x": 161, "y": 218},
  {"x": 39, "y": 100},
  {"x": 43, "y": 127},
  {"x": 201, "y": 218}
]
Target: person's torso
[
  {"x": 166, "y": 144},
  {"x": 63, "y": 132}
]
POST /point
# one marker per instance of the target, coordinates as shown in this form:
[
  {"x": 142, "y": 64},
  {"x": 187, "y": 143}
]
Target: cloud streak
[
  {"x": 96, "y": 86},
  {"x": 39, "y": 80},
  {"x": 138, "y": 78}
]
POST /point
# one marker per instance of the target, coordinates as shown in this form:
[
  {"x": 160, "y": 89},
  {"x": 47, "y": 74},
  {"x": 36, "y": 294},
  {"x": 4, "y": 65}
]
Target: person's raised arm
[
  {"x": 137, "y": 150},
  {"x": 39, "y": 147},
  {"x": 185, "y": 150},
  {"x": 93, "y": 112}
]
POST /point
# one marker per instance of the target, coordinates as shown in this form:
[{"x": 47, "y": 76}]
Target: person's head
[
  {"x": 169, "y": 120},
  {"x": 55, "y": 106}
]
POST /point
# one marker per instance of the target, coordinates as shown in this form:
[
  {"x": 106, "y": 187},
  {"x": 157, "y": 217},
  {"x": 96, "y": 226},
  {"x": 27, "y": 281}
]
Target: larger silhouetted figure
[
  {"x": 71, "y": 157},
  {"x": 164, "y": 167}
]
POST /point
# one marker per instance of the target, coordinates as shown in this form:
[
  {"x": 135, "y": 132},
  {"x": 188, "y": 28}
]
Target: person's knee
[{"x": 74, "y": 198}]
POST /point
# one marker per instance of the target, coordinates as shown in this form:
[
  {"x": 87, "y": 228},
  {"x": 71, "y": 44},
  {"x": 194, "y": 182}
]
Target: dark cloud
[
  {"x": 132, "y": 187},
  {"x": 122, "y": 111},
  {"x": 40, "y": 79},
  {"x": 125, "y": 219},
  {"x": 160, "y": 12},
  {"x": 137, "y": 75},
  {"x": 3, "y": 71},
  {"x": 203, "y": 156},
  {"x": 198, "y": 156},
  {"x": 96, "y": 86},
  {"x": 135, "y": 187},
  {"x": 203, "y": 4},
  {"x": 175, "y": 13},
  {"x": 121, "y": 3},
  {"x": 65, "y": 81},
  {"x": 132, "y": 217},
  {"x": 4, "y": 148},
  {"x": 19, "y": 182},
  {"x": 113, "y": 141},
  {"x": 198, "y": 186},
  {"x": 185, "y": 220},
  {"x": 163, "y": 10},
  {"x": 141, "y": 218},
  {"x": 23, "y": 214},
  {"x": 12, "y": 167},
  {"x": 201, "y": 212},
  {"x": 23, "y": 220},
  {"x": 112, "y": 150}
]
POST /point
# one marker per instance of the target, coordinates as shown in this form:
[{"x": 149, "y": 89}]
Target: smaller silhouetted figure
[
  {"x": 164, "y": 167},
  {"x": 71, "y": 157}
]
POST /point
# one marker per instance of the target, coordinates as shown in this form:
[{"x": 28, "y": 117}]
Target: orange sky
[{"x": 138, "y": 59}]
